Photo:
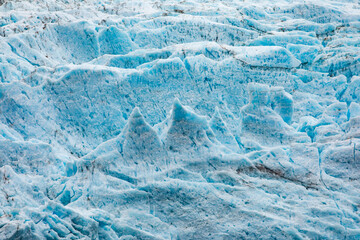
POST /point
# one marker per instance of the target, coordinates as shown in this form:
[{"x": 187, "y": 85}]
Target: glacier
[{"x": 191, "y": 119}]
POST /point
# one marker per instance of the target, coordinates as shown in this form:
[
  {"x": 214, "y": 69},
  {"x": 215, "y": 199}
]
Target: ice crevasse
[{"x": 174, "y": 119}]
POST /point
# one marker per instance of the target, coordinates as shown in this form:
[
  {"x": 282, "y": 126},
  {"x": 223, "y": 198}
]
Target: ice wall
[{"x": 179, "y": 119}]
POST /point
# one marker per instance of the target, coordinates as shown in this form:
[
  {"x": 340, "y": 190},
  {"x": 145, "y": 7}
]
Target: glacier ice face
[{"x": 179, "y": 120}]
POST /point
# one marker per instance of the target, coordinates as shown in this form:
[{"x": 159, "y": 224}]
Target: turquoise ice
[{"x": 175, "y": 119}]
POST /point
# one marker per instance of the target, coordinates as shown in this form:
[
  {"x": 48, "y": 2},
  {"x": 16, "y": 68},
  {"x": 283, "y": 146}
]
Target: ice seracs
[
  {"x": 114, "y": 41},
  {"x": 136, "y": 151},
  {"x": 282, "y": 103},
  {"x": 187, "y": 131},
  {"x": 263, "y": 145},
  {"x": 142, "y": 145},
  {"x": 261, "y": 123}
]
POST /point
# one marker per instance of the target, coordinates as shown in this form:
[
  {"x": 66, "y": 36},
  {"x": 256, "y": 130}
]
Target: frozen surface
[{"x": 174, "y": 119}]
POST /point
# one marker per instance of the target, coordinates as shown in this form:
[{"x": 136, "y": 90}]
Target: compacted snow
[{"x": 188, "y": 119}]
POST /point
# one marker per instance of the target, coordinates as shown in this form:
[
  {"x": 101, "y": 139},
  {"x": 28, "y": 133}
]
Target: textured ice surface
[{"x": 175, "y": 119}]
